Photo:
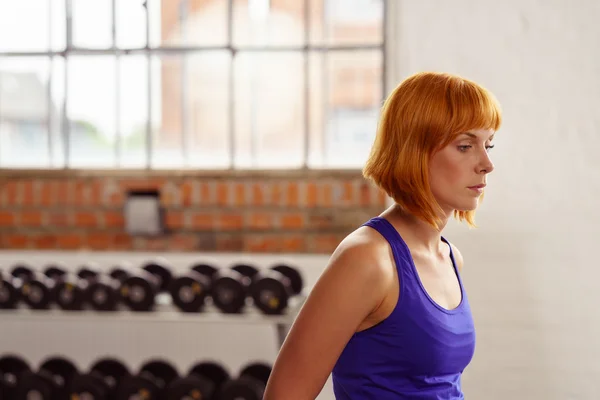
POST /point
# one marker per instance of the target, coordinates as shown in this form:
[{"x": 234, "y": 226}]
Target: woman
[{"x": 389, "y": 317}]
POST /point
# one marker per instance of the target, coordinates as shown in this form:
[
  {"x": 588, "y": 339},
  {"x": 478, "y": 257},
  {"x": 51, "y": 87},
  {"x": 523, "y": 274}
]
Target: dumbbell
[
  {"x": 55, "y": 271},
  {"x": 104, "y": 294},
  {"x": 36, "y": 289},
  {"x": 272, "y": 288},
  {"x": 150, "y": 383},
  {"x": 11, "y": 284},
  {"x": 12, "y": 368},
  {"x": 190, "y": 290},
  {"x": 231, "y": 287},
  {"x": 203, "y": 381},
  {"x": 51, "y": 382},
  {"x": 102, "y": 382},
  {"x": 250, "y": 385},
  {"x": 140, "y": 288},
  {"x": 70, "y": 291},
  {"x": 10, "y": 291}
]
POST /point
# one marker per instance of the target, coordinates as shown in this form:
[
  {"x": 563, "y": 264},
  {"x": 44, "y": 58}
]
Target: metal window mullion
[
  {"x": 66, "y": 126},
  {"x": 190, "y": 49},
  {"x": 149, "y": 82},
  {"x": 384, "y": 49},
  {"x": 118, "y": 132},
  {"x": 49, "y": 105},
  {"x": 231, "y": 85},
  {"x": 185, "y": 128},
  {"x": 306, "y": 144},
  {"x": 325, "y": 99}
]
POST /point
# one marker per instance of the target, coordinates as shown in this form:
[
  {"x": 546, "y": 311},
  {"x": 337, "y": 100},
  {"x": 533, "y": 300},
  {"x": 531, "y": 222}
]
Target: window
[{"x": 199, "y": 84}]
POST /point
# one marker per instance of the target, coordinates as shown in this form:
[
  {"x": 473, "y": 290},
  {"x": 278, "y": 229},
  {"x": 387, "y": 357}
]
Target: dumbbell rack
[{"x": 164, "y": 311}]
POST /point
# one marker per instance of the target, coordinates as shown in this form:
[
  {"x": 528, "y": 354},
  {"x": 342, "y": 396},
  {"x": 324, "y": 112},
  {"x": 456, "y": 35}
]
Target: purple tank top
[{"x": 418, "y": 352}]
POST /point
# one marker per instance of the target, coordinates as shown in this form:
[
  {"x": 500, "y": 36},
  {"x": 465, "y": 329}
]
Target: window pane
[
  {"x": 342, "y": 22},
  {"x": 57, "y": 158},
  {"x": 207, "y": 109},
  {"x": 24, "y": 112},
  {"x": 266, "y": 22},
  {"x": 92, "y": 23},
  {"x": 131, "y": 24},
  {"x": 133, "y": 110},
  {"x": 22, "y": 29},
  {"x": 192, "y": 127},
  {"x": 269, "y": 109},
  {"x": 189, "y": 23},
  {"x": 91, "y": 111},
  {"x": 346, "y": 95},
  {"x": 167, "y": 138}
]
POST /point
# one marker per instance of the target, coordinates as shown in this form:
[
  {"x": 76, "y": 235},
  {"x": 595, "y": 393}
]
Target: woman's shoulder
[{"x": 364, "y": 252}]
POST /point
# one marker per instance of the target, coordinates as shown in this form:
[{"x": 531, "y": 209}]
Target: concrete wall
[{"x": 531, "y": 268}]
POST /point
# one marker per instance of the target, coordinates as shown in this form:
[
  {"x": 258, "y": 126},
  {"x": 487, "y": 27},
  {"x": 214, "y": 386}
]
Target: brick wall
[{"x": 233, "y": 212}]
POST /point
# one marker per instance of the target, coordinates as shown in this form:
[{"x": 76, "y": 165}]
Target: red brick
[
  {"x": 47, "y": 193},
  {"x": 311, "y": 194},
  {"x": 347, "y": 193},
  {"x": 292, "y": 221},
  {"x": 28, "y": 193},
  {"x": 276, "y": 196},
  {"x": 258, "y": 194},
  {"x": 240, "y": 194},
  {"x": 63, "y": 192},
  {"x": 187, "y": 193},
  {"x": 205, "y": 193},
  {"x": 293, "y": 244},
  {"x": 174, "y": 219},
  {"x": 260, "y": 221},
  {"x": 69, "y": 241},
  {"x": 99, "y": 241},
  {"x": 44, "y": 241},
  {"x": 292, "y": 194},
  {"x": 113, "y": 219},
  {"x": 233, "y": 243},
  {"x": 230, "y": 221},
  {"x": 7, "y": 219},
  {"x": 85, "y": 219},
  {"x": 31, "y": 218},
  {"x": 202, "y": 221},
  {"x": 16, "y": 241},
  {"x": 364, "y": 194},
  {"x": 122, "y": 241},
  {"x": 11, "y": 192},
  {"x": 262, "y": 243},
  {"x": 326, "y": 195},
  {"x": 222, "y": 193},
  {"x": 59, "y": 218},
  {"x": 183, "y": 242}
]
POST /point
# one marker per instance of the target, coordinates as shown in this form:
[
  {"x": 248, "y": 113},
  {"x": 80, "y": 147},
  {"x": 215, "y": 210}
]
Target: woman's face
[{"x": 458, "y": 171}]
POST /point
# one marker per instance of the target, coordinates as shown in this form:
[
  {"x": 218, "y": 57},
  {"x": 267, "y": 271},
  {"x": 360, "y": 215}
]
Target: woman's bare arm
[{"x": 351, "y": 287}]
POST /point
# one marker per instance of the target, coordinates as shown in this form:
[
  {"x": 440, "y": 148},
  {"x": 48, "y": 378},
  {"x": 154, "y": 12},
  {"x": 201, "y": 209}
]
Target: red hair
[{"x": 423, "y": 114}]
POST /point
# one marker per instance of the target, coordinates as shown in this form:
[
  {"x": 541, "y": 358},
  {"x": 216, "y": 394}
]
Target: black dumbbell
[
  {"x": 203, "y": 381},
  {"x": 102, "y": 382},
  {"x": 55, "y": 271},
  {"x": 36, "y": 288},
  {"x": 250, "y": 384},
  {"x": 150, "y": 383},
  {"x": 272, "y": 288},
  {"x": 231, "y": 287},
  {"x": 104, "y": 294},
  {"x": 190, "y": 290},
  {"x": 51, "y": 382},
  {"x": 140, "y": 288},
  {"x": 12, "y": 368},
  {"x": 70, "y": 291},
  {"x": 10, "y": 291}
]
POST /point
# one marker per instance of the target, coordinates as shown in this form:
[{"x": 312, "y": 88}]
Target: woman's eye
[{"x": 464, "y": 148}]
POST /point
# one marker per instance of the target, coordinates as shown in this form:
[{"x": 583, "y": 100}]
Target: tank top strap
[{"x": 400, "y": 250}]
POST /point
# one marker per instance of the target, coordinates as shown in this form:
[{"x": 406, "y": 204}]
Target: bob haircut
[{"x": 425, "y": 113}]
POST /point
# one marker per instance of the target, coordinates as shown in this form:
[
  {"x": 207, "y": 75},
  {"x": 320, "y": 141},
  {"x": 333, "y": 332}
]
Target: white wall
[{"x": 532, "y": 266}]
